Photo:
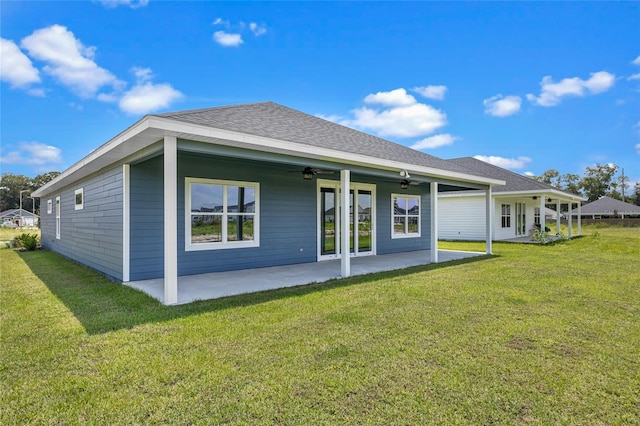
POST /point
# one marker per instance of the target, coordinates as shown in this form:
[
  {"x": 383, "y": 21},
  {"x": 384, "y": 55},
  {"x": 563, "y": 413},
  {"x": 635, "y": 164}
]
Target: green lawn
[{"x": 532, "y": 335}]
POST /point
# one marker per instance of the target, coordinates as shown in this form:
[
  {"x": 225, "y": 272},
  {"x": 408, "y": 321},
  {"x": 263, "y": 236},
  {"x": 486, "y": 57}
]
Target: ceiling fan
[
  {"x": 309, "y": 172},
  {"x": 405, "y": 183}
]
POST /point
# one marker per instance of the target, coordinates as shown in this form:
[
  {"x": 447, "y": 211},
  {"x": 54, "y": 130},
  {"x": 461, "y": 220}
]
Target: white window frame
[
  {"x": 79, "y": 191},
  {"x": 58, "y": 208},
  {"x": 505, "y": 216},
  {"x": 49, "y": 206},
  {"x": 406, "y": 234},
  {"x": 224, "y": 244}
]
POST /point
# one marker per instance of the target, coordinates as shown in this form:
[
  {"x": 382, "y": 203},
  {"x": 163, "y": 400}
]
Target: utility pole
[{"x": 622, "y": 179}]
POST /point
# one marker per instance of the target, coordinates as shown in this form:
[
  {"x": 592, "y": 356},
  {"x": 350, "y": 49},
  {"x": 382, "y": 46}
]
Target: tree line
[
  {"x": 11, "y": 185},
  {"x": 598, "y": 181}
]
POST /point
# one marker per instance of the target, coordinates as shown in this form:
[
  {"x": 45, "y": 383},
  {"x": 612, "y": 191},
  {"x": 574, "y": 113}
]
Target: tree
[
  {"x": 12, "y": 185},
  {"x": 550, "y": 177},
  {"x": 597, "y": 180},
  {"x": 635, "y": 197},
  {"x": 570, "y": 183}
]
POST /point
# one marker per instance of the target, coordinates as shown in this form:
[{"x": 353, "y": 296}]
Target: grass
[{"x": 533, "y": 335}]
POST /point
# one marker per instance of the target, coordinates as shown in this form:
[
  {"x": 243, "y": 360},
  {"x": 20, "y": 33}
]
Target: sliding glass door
[{"x": 361, "y": 220}]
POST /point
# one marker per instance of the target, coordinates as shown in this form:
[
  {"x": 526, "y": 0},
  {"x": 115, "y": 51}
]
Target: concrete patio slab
[{"x": 223, "y": 284}]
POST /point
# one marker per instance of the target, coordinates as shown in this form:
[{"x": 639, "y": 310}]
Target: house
[
  {"x": 240, "y": 187},
  {"x": 19, "y": 217},
  {"x": 516, "y": 206},
  {"x": 607, "y": 207}
]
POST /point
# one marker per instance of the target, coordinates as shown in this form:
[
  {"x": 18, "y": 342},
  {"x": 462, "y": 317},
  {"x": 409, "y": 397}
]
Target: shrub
[{"x": 27, "y": 241}]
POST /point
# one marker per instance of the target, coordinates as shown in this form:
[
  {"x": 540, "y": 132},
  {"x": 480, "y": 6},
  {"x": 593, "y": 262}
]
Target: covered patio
[{"x": 231, "y": 283}]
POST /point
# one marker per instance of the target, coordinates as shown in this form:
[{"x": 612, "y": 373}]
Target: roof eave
[{"x": 151, "y": 128}]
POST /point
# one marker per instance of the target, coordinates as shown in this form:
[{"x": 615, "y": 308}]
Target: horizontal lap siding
[
  {"x": 288, "y": 216},
  {"x": 462, "y": 218},
  {"x": 93, "y": 235}
]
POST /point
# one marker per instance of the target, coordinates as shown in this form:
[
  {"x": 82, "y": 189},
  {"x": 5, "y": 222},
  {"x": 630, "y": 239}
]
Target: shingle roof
[
  {"x": 269, "y": 119},
  {"x": 514, "y": 181},
  {"x": 607, "y": 206}
]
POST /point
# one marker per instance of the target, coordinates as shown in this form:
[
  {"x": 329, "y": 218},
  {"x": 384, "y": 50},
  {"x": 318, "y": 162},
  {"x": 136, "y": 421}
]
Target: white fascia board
[
  {"x": 546, "y": 192},
  {"x": 99, "y": 153},
  {"x": 155, "y": 127},
  {"x": 262, "y": 143}
]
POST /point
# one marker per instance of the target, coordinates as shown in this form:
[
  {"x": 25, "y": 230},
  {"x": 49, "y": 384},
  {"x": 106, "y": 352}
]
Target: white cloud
[
  {"x": 257, "y": 30},
  {"x": 397, "y": 97},
  {"x": 227, "y": 39},
  {"x": 636, "y": 61},
  {"x": 435, "y": 141},
  {"x": 431, "y": 92},
  {"x": 15, "y": 67},
  {"x": 502, "y": 106},
  {"x": 33, "y": 154},
  {"x": 505, "y": 163},
  {"x": 530, "y": 174},
  {"x": 634, "y": 77},
  {"x": 133, "y": 4},
  {"x": 146, "y": 97},
  {"x": 68, "y": 60},
  {"x": 333, "y": 117},
  {"x": 402, "y": 121},
  {"x": 638, "y": 148},
  {"x": 552, "y": 93}
]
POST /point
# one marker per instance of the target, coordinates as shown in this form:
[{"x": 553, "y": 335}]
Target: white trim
[
  {"x": 49, "y": 206},
  {"x": 170, "y": 220},
  {"x": 149, "y": 129},
  {"x": 345, "y": 194},
  {"x": 433, "y": 245},
  {"x": 58, "y": 217},
  {"x": 126, "y": 224},
  {"x": 79, "y": 191},
  {"x": 406, "y": 234},
  {"x": 489, "y": 209},
  {"x": 356, "y": 187},
  {"x": 224, "y": 244}
]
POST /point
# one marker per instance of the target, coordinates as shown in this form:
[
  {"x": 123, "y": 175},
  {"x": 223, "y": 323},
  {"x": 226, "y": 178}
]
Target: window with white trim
[
  {"x": 49, "y": 206},
  {"x": 58, "y": 218},
  {"x": 79, "y": 198},
  {"x": 221, "y": 214},
  {"x": 506, "y": 215},
  {"x": 536, "y": 216},
  {"x": 406, "y": 216}
]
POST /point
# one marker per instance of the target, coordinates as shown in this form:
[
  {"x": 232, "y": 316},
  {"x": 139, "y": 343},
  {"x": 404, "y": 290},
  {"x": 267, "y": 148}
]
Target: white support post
[
  {"x": 489, "y": 220},
  {"x": 170, "y": 220},
  {"x": 345, "y": 258},
  {"x": 543, "y": 225},
  {"x": 558, "y": 216},
  {"x": 580, "y": 218},
  {"x": 433, "y": 196},
  {"x": 126, "y": 223},
  {"x": 570, "y": 219}
]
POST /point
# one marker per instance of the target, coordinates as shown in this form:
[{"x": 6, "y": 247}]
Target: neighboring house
[
  {"x": 516, "y": 206},
  {"x": 19, "y": 217},
  {"x": 241, "y": 187},
  {"x": 607, "y": 207}
]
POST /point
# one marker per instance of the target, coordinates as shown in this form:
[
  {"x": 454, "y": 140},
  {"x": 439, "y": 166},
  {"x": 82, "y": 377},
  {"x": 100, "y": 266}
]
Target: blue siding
[
  {"x": 91, "y": 236},
  {"x": 288, "y": 216}
]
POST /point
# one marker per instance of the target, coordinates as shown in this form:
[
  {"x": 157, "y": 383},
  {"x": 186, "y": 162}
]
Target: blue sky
[{"x": 527, "y": 86}]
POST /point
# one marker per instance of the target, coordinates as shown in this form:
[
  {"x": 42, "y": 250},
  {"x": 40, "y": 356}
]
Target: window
[
  {"x": 221, "y": 214},
  {"x": 49, "y": 206},
  {"x": 536, "y": 216},
  {"x": 506, "y": 215},
  {"x": 58, "y": 218},
  {"x": 79, "y": 198},
  {"x": 406, "y": 216}
]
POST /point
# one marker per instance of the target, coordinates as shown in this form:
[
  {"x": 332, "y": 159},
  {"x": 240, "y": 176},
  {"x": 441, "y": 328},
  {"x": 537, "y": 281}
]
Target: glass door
[
  {"x": 328, "y": 219},
  {"x": 521, "y": 223},
  {"x": 361, "y": 220}
]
